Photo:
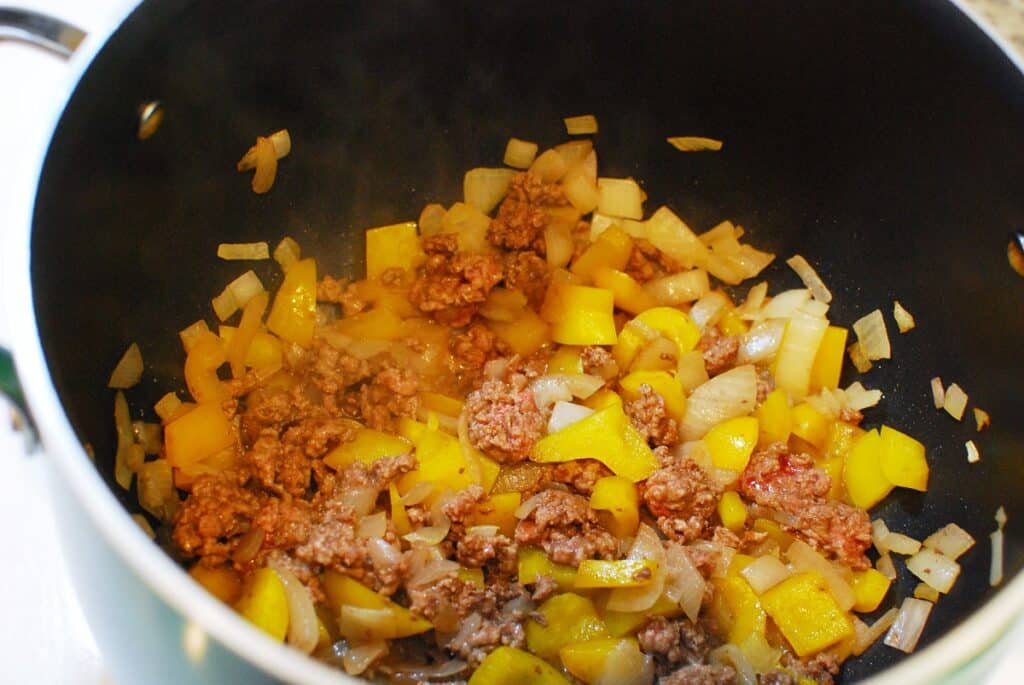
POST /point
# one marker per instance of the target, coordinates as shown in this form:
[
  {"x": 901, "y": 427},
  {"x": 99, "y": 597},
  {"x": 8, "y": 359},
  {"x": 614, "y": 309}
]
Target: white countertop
[{"x": 43, "y": 635}]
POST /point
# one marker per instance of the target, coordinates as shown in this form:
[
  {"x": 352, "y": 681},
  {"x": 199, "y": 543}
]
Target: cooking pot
[{"x": 882, "y": 140}]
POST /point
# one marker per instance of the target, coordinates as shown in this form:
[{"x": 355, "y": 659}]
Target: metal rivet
[{"x": 150, "y": 115}]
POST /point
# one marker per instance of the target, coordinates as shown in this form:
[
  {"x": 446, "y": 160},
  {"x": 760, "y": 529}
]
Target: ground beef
[
  {"x": 683, "y": 498},
  {"x": 580, "y": 474},
  {"x": 598, "y": 360},
  {"x": 820, "y": 669},
  {"x": 333, "y": 371},
  {"x": 765, "y": 383},
  {"x": 852, "y": 416},
  {"x": 744, "y": 542},
  {"x": 789, "y": 483},
  {"x": 700, "y": 674},
  {"x": 472, "y": 349},
  {"x": 453, "y": 284},
  {"x": 719, "y": 351},
  {"x": 520, "y": 222},
  {"x": 504, "y": 421},
  {"x": 331, "y": 289},
  {"x": 673, "y": 642},
  {"x": 568, "y": 530},
  {"x": 650, "y": 416},
  {"x": 486, "y": 636},
  {"x": 543, "y": 587},
  {"x": 390, "y": 395},
  {"x": 529, "y": 273},
  {"x": 496, "y": 551},
  {"x": 647, "y": 262},
  {"x": 216, "y": 513}
]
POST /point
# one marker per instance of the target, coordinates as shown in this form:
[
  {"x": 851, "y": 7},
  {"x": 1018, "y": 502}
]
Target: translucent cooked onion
[
  {"x": 938, "y": 393},
  {"x": 547, "y": 390},
  {"x": 483, "y": 531},
  {"x": 558, "y": 245},
  {"x": 973, "y": 455},
  {"x": 904, "y": 319},
  {"x": 248, "y": 546},
  {"x": 879, "y": 533},
  {"x": 935, "y": 569},
  {"x": 382, "y": 553},
  {"x": 626, "y": 665},
  {"x": 679, "y": 288},
  {"x": 244, "y": 251},
  {"x": 761, "y": 342},
  {"x": 581, "y": 125},
  {"x": 859, "y": 358},
  {"x": 303, "y": 625},
  {"x": 873, "y": 336},
  {"x": 519, "y": 154},
  {"x": 885, "y": 566},
  {"x": 416, "y": 673},
  {"x": 995, "y": 573},
  {"x": 484, "y": 188},
  {"x": 728, "y": 395},
  {"x": 755, "y": 298},
  {"x": 764, "y": 573},
  {"x": 372, "y": 525},
  {"x": 684, "y": 584},
  {"x": 360, "y": 500},
  {"x": 128, "y": 371},
  {"x": 691, "y": 371},
  {"x": 245, "y": 287},
  {"x": 707, "y": 310},
  {"x": 527, "y": 507},
  {"x": 519, "y": 477},
  {"x": 721, "y": 555},
  {"x": 496, "y": 367},
  {"x": 810, "y": 278},
  {"x": 732, "y": 655},
  {"x": 266, "y": 165},
  {"x": 428, "y": 535},
  {"x": 647, "y": 545},
  {"x": 565, "y": 414},
  {"x": 783, "y": 305},
  {"x": 902, "y": 544},
  {"x": 866, "y": 635},
  {"x": 858, "y": 397},
  {"x": 360, "y": 657},
  {"x": 926, "y": 592},
  {"x": 694, "y": 143},
  {"x": 955, "y": 401},
  {"x": 418, "y": 493},
  {"x": 909, "y": 624},
  {"x": 432, "y": 572},
  {"x": 950, "y": 541},
  {"x": 804, "y": 558}
]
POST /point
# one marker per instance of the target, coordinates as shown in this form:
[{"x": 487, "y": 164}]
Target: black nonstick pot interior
[{"x": 882, "y": 140}]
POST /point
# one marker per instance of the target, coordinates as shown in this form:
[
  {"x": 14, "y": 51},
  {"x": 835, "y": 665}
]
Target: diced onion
[
  {"x": 755, "y": 298},
  {"x": 383, "y": 553},
  {"x": 904, "y": 319},
  {"x": 626, "y": 665},
  {"x": 873, "y": 336},
  {"x": 909, "y": 624},
  {"x": 858, "y": 397},
  {"x": 726, "y": 396},
  {"x": 935, "y": 569},
  {"x": 431, "y": 572},
  {"x": 679, "y": 288},
  {"x": 360, "y": 657},
  {"x": 581, "y": 125},
  {"x": 303, "y": 624},
  {"x": 764, "y": 573},
  {"x": 785, "y": 304},
  {"x": 287, "y": 252},
  {"x": 418, "y": 493},
  {"x": 981, "y": 419},
  {"x": 973, "y": 455},
  {"x": 1001, "y": 517},
  {"x": 879, "y": 535},
  {"x": 558, "y": 245},
  {"x": 249, "y": 546},
  {"x": 360, "y": 500},
  {"x": 620, "y": 197},
  {"x": 647, "y": 545},
  {"x": 483, "y": 531},
  {"x": 723, "y": 231},
  {"x": 868, "y": 635},
  {"x": 761, "y": 342},
  {"x": 902, "y": 544},
  {"x": 804, "y": 558},
  {"x": 732, "y": 655},
  {"x": 938, "y": 393},
  {"x": 527, "y": 507},
  {"x": 795, "y": 359},
  {"x": 484, "y": 188},
  {"x": 128, "y": 371},
  {"x": 193, "y": 333},
  {"x": 244, "y": 251},
  {"x": 706, "y": 311},
  {"x": 683, "y": 584},
  {"x": 691, "y": 371},
  {"x": 810, "y": 278},
  {"x": 671, "y": 235},
  {"x": 926, "y": 592},
  {"x": 859, "y": 358},
  {"x": 721, "y": 554},
  {"x": 694, "y": 143},
  {"x": 950, "y": 541},
  {"x": 156, "y": 490},
  {"x": 167, "y": 406},
  {"x": 885, "y": 566},
  {"x": 373, "y": 525},
  {"x": 266, "y": 166},
  {"x": 815, "y": 308},
  {"x": 519, "y": 154},
  {"x": 955, "y": 401},
  {"x": 995, "y": 574},
  {"x": 548, "y": 390},
  {"x": 565, "y": 414}
]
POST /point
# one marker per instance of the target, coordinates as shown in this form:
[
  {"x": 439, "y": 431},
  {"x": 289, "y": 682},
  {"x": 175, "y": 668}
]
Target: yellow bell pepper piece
[
  {"x": 611, "y": 250},
  {"x": 828, "y": 362},
  {"x": 341, "y": 590},
  {"x": 499, "y": 510},
  {"x": 293, "y": 314},
  {"x": 809, "y": 424},
  {"x": 377, "y": 324},
  {"x": 525, "y": 335},
  {"x": 629, "y": 295},
  {"x": 192, "y": 437},
  {"x": 731, "y": 324},
  {"x": 620, "y": 623},
  {"x": 534, "y": 562},
  {"x": 903, "y": 461},
  {"x": 366, "y": 615},
  {"x": 589, "y": 660},
  {"x": 617, "y": 496},
  {"x": 265, "y": 604},
  {"x": 736, "y": 609},
  {"x": 471, "y": 575},
  {"x": 392, "y": 247},
  {"x": 865, "y": 482},
  {"x": 264, "y": 351},
  {"x": 399, "y": 516},
  {"x": 393, "y": 297},
  {"x": 669, "y": 322},
  {"x": 606, "y": 435},
  {"x": 869, "y": 589},
  {"x": 241, "y": 341},
  {"x": 602, "y": 399},
  {"x": 774, "y": 532},
  {"x": 367, "y": 446},
  {"x": 806, "y": 613},
  {"x": 580, "y": 315},
  {"x": 511, "y": 666},
  {"x": 834, "y": 466},
  {"x": 442, "y": 404},
  {"x": 489, "y": 470},
  {"x": 441, "y": 461},
  {"x": 663, "y": 383},
  {"x": 222, "y": 582},
  {"x": 201, "y": 364},
  {"x": 595, "y": 573},
  {"x": 732, "y": 511},
  {"x": 568, "y": 618},
  {"x": 774, "y": 418},
  {"x": 731, "y": 442},
  {"x": 841, "y": 436},
  {"x": 566, "y": 359}
]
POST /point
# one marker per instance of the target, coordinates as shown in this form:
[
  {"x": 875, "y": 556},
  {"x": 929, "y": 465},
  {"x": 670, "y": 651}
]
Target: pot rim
[{"x": 952, "y": 652}]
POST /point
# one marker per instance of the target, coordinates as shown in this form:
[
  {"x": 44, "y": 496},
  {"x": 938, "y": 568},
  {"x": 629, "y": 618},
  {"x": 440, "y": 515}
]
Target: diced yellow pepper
[
  {"x": 525, "y": 335},
  {"x": 869, "y": 589},
  {"x": 201, "y": 364},
  {"x": 471, "y": 575},
  {"x": 606, "y": 435},
  {"x": 774, "y": 418},
  {"x": 663, "y": 383},
  {"x": 499, "y": 510},
  {"x": 367, "y": 446},
  {"x": 442, "y": 404},
  {"x": 617, "y": 496},
  {"x": 393, "y": 297},
  {"x": 534, "y": 562},
  {"x": 602, "y": 399},
  {"x": 264, "y": 352},
  {"x": 377, "y": 324},
  {"x": 669, "y": 322},
  {"x": 568, "y": 618},
  {"x": 629, "y": 295},
  {"x": 441, "y": 461},
  {"x": 739, "y": 562},
  {"x": 731, "y": 324},
  {"x": 222, "y": 582},
  {"x": 806, "y": 613},
  {"x": 566, "y": 359},
  {"x": 511, "y": 666},
  {"x": 841, "y": 436},
  {"x": 596, "y": 573},
  {"x": 399, "y": 516},
  {"x": 731, "y": 442},
  {"x": 809, "y": 424},
  {"x": 580, "y": 315},
  {"x": 341, "y": 590},
  {"x": 620, "y": 623},
  {"x": 611, "y": 250},
  {"x": 348, "y": 595},
  {"x": 489, "y": 470},
  {"x": 194, "y": 436},
  {"x": 265, "y": 604},
  {"x": 903, "y": 461},
  {"x": 411, "y": 429},
  {"x": 237, "y": 350},
  {"x": 588, "y": 661},
  {"x": 392, "y": 247},
  {"x": 865, "y": 482},
  {"x": 833, "y": 466},
  {"x": 504, "y": 305},
  {"x": 828, "y": 361},
  {"x": 774, "y": 532},
  {"x": 732, "y": 511},
  {"x": 736, "y": 609},
  {"x": 293, "y": 314}
]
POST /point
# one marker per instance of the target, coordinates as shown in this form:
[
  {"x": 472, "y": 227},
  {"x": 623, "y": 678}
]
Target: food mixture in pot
[{"x": 543, "y": 440}]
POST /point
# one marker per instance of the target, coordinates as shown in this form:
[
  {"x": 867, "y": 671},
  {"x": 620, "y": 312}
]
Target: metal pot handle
[{"x": 62, "y": 38}]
